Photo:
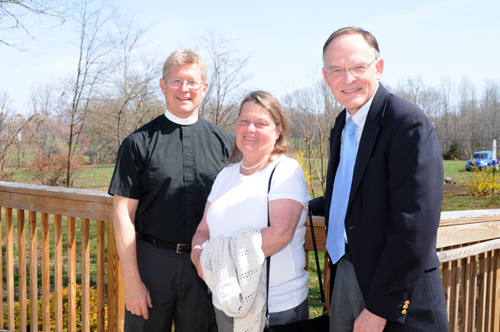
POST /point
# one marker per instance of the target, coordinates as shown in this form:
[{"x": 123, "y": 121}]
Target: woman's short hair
[
  {"x": 369, "y": 38},
  {"x": 277, "y": 113},
  {"x": 184, "y": 57}
]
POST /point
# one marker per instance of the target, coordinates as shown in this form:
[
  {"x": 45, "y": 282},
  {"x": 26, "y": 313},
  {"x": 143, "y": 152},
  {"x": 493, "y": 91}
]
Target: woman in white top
[{"x": 239, "y": 199}]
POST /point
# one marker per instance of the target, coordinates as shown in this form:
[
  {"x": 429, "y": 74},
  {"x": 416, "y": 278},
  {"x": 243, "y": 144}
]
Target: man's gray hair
[
  {"x": 184, "y": 57},
  {"x": 369, "y": 38}
]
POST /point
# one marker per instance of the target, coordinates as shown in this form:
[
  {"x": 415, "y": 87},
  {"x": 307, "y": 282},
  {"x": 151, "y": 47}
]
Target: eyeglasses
[
  {"x": 178, "y": 83},
  {"x": 355, "y": 70}
]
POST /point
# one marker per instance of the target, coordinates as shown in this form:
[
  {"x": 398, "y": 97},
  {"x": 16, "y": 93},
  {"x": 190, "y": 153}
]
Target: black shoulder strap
[{"x": 268, "y": 259}]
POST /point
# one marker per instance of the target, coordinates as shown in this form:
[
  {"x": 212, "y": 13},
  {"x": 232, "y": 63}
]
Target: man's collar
[{"x": 180, "y": 121}]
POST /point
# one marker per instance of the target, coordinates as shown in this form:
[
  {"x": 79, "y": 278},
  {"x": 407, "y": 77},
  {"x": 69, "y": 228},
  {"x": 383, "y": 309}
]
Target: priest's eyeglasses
[
  {"x": 355, "y": 70},
  {"x": 178, "y": 83}
]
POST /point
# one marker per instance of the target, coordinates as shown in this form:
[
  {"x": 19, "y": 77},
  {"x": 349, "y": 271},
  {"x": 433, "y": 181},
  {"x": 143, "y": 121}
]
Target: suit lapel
[
  {"x": 335, "y": 138},
  {"x": 333, "y": 163},
  {"x": 369, "y": 136}
]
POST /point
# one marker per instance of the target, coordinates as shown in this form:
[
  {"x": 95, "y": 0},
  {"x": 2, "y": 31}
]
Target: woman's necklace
[{"x": 252, "y": 167}]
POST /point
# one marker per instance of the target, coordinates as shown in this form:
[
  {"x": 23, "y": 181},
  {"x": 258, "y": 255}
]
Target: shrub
[
  {"x": 453, "y": 151},
  {"x": 93, "y": 311},
  {"x": 49, "y": 168},
  {"x": 299, "y": 156},
  {"x": 482, "y": 183}
]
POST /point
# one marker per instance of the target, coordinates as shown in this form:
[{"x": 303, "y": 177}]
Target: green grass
[
  {"x": 455, "y": 169},
  {"x": 461, "y": 203},
  {"x": 315, "y": 306},
  {"x": 88, "y": 177},
  {"x": 94, "y": 177}
]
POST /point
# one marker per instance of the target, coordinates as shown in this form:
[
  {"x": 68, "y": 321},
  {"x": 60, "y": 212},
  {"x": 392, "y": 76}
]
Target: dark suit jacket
[{"x": 393, "y": 213}]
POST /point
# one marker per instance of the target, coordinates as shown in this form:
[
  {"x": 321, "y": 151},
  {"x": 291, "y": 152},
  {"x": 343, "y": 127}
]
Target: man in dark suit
[{"x": 383, "y": 198}]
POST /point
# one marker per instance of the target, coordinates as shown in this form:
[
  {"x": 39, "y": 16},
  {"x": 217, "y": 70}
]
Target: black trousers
[{"x": 177, "y": 293}]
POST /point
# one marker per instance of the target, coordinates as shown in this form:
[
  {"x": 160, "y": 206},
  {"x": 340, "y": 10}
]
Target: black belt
[{"x": 178, "y": 248}]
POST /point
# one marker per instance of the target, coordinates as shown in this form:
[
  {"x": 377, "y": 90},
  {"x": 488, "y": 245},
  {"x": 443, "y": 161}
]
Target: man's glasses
[
  {"x": 178, "y": 83},
  {"x": 355, "y": 70}
]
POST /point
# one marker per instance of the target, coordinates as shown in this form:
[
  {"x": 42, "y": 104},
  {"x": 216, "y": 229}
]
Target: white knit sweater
[{"x": 233, "y": 268}]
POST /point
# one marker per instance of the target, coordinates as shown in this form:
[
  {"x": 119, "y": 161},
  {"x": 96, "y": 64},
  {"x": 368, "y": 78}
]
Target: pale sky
[{"x": 433, "y": 39}]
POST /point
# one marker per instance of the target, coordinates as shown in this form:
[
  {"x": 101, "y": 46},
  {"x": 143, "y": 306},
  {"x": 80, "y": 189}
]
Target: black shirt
[{"x": 170, "y": 169}]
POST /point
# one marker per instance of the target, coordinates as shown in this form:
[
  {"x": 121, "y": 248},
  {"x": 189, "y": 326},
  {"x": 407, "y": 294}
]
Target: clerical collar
[{"x": 180, "y": 121}]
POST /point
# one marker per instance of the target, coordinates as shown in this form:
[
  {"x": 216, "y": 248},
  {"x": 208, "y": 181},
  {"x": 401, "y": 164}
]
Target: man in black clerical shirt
[{"x": 163, "y": 175}]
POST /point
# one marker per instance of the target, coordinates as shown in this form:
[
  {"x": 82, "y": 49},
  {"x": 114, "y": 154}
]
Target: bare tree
[
  {"x": 467, "y": 109},
  {"x": 129, "y": 101},
  {"x": 490, "y": 108},
  {"x": 227, "y": 75},
  {"x": 411, "y": 90},
  {"x": 313, "y": 111},
  {"x": 136, "y": 96},
  {"x": 11, "y": 125},
  {"x": 94, "y": 47},
  {"x": 446, "y": 116},
  {"x": 22, "y": 15},
  {"x": 44, "y": 132}
]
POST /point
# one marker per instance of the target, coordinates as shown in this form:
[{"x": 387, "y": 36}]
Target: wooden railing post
[
  {"x": 58, "y": 244},
  {"x": 45, "y": 272},
  {"x": 116, "y": 287},
  {"x": 1, "y": 270},
  {"x": 496, "y": 288},
  {"x": 33, "y": 272},
  {"x": 446, "y": 280},
  {"x": 483, "y": 281},
  {"x": 490, "y": 292},
  {"x": 85, "y": 275},
  {"x": 465, "y": 316},
  {"x": 21, "y": 247},
  {"x": 71, "y": 275},
  {"x": 10, "y": 268},
  {"x": 101, "y": 271}
]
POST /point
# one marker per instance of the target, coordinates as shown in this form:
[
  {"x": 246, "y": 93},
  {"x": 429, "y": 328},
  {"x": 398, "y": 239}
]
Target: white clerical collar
[{"x": 180, "y": 121}]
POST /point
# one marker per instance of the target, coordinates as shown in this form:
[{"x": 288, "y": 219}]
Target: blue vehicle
[{"x": 481, "y": 160}]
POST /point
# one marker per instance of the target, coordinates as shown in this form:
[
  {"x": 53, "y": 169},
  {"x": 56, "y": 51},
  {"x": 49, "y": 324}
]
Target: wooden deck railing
[
  {"x": 69, "y": 228},
  {"x": 60, "y": 223},
  {"x": 469, "y": 250}
]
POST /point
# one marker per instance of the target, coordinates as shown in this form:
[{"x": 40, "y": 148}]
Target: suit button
[
  {"x": 405, "y": 306},
  {"x": 407, "y": 302},
  {"x": 403, "y": 312}
]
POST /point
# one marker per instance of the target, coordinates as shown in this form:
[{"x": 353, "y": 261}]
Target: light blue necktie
[{"x": 340, "y": 196}]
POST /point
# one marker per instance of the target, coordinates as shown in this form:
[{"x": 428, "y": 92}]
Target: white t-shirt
[{"x": 238, "y": 201}]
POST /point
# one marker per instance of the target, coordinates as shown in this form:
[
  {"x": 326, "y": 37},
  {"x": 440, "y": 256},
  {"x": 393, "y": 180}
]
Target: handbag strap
[{"x": 268, "y": 259}]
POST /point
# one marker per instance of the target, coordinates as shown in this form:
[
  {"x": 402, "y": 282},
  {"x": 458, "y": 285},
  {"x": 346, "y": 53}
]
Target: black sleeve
[
  {"x": 127, "y": 176},
  {"x": 317, "y": 206}
]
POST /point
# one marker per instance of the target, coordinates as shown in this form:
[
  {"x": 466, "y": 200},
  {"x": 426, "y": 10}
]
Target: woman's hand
[{"x": 196, "y": 259}]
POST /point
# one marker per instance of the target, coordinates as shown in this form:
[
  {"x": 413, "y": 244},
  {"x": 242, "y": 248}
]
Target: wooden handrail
[
  {"x": 77, "y": 203},
  {"x": 468, "y": 251}
]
